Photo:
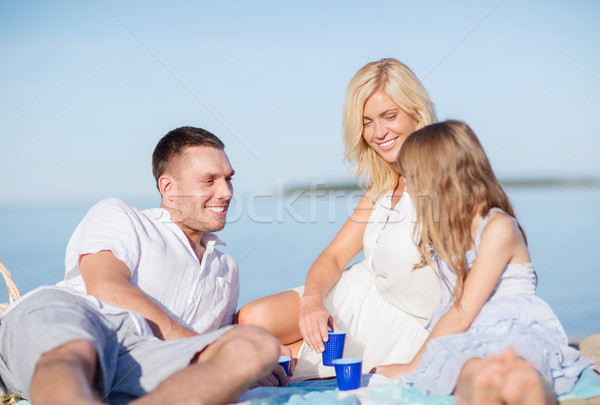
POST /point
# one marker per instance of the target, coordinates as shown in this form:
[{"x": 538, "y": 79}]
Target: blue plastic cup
[
  {"x": 348, "y": 373},
  {"x": 284, "y": 361},
  {"x": 334, "y": 347}
]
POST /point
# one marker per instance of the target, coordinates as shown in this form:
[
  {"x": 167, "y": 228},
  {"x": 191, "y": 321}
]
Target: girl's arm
[
  {"x": 501, "y": 242},
  {"x": 326, "y": 271}
]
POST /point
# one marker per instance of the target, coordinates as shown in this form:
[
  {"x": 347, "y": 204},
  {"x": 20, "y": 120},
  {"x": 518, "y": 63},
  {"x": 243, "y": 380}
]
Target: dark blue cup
[
  {"x": 348, "y": 373},
  {"x": 334, "y": 347},
  {"x": 284, "y": 361}
]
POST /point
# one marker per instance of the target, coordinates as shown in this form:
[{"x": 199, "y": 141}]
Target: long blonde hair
[
  {"x": 402, "y": 86},
  {"x": 450, "y": 181}
]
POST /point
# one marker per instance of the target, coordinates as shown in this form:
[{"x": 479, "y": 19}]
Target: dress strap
[{"x": 484, "y": 220}]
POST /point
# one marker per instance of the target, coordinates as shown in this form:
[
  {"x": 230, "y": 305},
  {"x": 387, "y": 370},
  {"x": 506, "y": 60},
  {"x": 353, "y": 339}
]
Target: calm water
[{"x": 275, "y": 239}]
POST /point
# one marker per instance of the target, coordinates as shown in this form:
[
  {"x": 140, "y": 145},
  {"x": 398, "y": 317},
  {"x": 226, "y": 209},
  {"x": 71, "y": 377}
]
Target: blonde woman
[{"x": 381, "y": 302}]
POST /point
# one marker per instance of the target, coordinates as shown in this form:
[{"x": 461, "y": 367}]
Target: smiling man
[
  {"x": 162, "y": 263},
  {"x": 145, "y": 309}
]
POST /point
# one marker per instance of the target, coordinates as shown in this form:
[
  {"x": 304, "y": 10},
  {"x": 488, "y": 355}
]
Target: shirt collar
[{"x": 212, "y": 240}]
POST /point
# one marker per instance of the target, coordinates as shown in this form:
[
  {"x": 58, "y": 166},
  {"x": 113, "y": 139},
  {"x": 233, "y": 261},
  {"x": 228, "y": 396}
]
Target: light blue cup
[
  {"x": 334, "y": 347},
  {"x": 348, "y": 373}
]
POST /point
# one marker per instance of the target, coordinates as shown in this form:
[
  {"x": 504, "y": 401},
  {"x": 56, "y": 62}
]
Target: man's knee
[
  {"x": 252, "y": 340},
  {"x": 250, "y": 347}
]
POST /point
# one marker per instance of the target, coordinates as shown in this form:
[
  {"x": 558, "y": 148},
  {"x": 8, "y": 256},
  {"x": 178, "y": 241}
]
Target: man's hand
[
  {"x": 286, "y": 351},
  {"x": 277, "y": 378}
]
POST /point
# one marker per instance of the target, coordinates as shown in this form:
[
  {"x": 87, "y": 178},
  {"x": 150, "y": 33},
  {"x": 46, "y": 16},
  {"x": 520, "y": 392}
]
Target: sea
[{"x": 275, "y": 236}]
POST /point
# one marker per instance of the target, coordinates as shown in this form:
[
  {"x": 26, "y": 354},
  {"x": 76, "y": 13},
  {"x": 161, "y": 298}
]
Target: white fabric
[
  {"x": 162, "y": 262},
  {"x": 381, "y": 302},
  {"x": 391, "y": 249}
]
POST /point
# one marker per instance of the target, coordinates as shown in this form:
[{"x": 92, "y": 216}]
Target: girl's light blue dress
[{"x": 512, "y": 316}]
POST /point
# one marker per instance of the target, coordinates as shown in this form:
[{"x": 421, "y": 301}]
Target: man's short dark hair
[{"x": 175, "y": 142}]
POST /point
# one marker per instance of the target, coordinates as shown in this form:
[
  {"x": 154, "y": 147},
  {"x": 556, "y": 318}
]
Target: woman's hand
[
  {"x": 394, "y": 370},
  {"x": 314, "y": 321}
]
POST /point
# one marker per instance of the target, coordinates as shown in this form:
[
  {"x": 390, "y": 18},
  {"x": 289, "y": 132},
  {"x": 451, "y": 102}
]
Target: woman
[{"x": 381, "y": 303}]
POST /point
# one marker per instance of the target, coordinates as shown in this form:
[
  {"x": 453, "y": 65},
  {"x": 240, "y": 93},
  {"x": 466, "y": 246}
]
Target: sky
[{"x": 88, "y": 87}]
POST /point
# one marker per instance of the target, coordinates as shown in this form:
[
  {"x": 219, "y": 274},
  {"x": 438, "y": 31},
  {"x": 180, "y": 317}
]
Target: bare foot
[
  {"x": 504, "y": 379},
  {"x": 523, "y": 384},
  {"x": 479, "y": 382}
]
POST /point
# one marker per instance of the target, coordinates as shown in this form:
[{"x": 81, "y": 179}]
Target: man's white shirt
[{"x": 203, "y": 295}]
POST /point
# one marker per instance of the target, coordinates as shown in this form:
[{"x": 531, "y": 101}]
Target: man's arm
[{"x": 109, "y": 279}]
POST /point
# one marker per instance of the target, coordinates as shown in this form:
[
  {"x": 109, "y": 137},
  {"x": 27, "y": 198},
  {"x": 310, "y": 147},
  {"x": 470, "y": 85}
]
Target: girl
[{"x": 488, "y": 280}]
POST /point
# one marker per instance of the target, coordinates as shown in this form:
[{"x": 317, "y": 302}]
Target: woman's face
[{"x": 386, "y": 126}]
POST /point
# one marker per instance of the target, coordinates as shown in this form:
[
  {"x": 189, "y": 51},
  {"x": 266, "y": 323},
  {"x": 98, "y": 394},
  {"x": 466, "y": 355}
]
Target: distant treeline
[
  {"x": 508, "y": 183},
  {"x": 581, "y": 182}
]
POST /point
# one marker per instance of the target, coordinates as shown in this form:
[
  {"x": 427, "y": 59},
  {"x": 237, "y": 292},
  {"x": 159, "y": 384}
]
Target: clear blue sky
[{"x": 88, "y": 87}]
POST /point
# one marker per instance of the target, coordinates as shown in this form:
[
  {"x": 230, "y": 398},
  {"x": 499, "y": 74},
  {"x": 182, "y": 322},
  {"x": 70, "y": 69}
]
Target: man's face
[{"x": 200, "y": 191}]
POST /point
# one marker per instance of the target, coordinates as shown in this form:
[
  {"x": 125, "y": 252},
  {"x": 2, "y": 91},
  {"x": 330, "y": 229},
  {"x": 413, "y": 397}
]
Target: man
[{"x": 140, "y": 316}]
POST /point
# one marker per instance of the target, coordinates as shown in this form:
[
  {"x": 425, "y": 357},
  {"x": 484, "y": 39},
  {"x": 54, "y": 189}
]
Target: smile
[
  {"x": 387, "y": 144},
  {"x": 217, "y": 210}
]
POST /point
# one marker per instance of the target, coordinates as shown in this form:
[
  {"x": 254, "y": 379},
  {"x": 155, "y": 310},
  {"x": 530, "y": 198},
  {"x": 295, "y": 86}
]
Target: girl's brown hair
[{"x": 450, "y": 181}]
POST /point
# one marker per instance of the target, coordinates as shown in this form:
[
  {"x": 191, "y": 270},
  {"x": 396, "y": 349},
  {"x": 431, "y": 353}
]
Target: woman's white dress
[{"x": 382, "y": 303}]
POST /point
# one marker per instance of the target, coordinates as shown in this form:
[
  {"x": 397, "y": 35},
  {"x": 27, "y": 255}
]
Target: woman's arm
[
  {"x": 326, "y": 271},
  {"x": 109, "y": 279},
  {"x": 501, "y": 242}
]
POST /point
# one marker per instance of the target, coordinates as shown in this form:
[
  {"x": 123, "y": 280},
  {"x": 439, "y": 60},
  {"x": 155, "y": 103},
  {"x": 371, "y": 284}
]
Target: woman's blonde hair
[
  {"x": 450, "y": 180},
  {"x": 402, "y": 86}
]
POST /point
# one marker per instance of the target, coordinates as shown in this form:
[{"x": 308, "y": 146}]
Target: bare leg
[
  {"x": 222, "y": 372},
  {"x": 276, "y": 313},
  {"x": 504, "y": 379},
  {"x": 65, "y": 375}
]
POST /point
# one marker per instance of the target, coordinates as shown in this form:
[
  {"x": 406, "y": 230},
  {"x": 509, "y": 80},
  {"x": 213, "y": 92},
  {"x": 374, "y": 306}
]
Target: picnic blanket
[{"x": 379, "y": 390}]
